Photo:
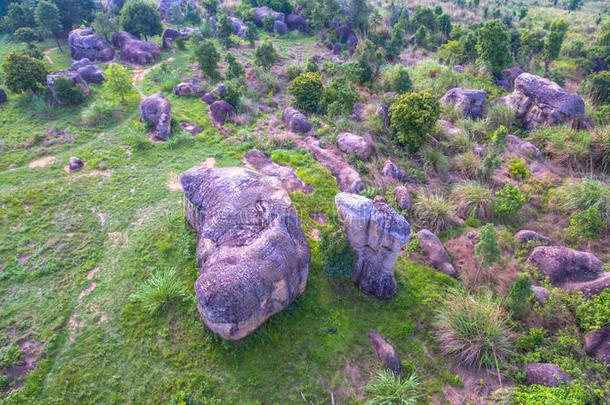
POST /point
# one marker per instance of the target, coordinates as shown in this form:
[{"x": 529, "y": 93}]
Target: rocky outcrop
[
  {"x": 296, "y": 121},
  {"x": 434, "y": 253},
  {"x": 570, "y": 269},
  {"x": 525, "y": 236},
  {"x": 261, "y": 12},
  {"x": 403, "y": 198},
  {"x": 348, "y": 179},
  {"x": 597, "y": 344},
  {"x": 377, "y": 233},
  {"x": 470, "y": 102},
  {"x": 539, "y": 102},
  {"x": 385, "y": 352},
  {"x": 296, "y": 22},
  {"x": 215, "y": 94},
  {"x": 507, "y": 81},
  {"x": 391, "y": 171},
  {"x": 157, "y": 110},
  {"x": 545, "y": 374},
  {"x": 287, "y": 175},
  {"x": 84, "y": 43},
  {"x": 188, "y": 89},
  {"x": 354, "y": 145},
  {"x": 251, "y": 249},
  {"x": 75, "y": 164},
  {"x": 280, "y": 27},
  {"x": 76, "y": 78},
  {"x": 220, "y": 111},
  {"x": 133, "y": 50}
]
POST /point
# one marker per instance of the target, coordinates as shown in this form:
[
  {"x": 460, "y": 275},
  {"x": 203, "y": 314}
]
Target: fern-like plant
[
  {"x": 390, "y": 389},
  {"x": 160, "y": 291}
]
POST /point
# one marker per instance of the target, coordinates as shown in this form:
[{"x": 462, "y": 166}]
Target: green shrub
[
  {"x": 518, "y": 296},
  {"x": 99, "y": 112},
  {"x": 508, "y": 201},
  {"x": 336, "y": 253},
  {"x": 413, "y": 116},
  {"x": 599, "y": 88},
  {"x": 235, "y": 70},
  {"x": 160, "y": 291},
  {"x": 470, "y": 165},
  {"x": 528, "y": 342},
  {"x": 10, "y": 356},
  {"x": 594, "y": 312},
  {"x": 340, "y": 97},
  {"x": 389, "y": 389},
  {"x": 542, "y": 395},
  {"x": 434, "y": 159},
  {"x": 265, "y": 55},
  {"x": 474, "y": 329},
  {"x": 602, "y": 115},
  {"x": 293, "y": 71},
  {"x": 207, "y": 57},
  {"x": 396, "y": 78},
  {"x": 487, "y": 248},
  {"x": 233, "y": 93},
  {"x": 500, "y": 115},
  {"x": 516, "y": 167},
  {"x": 185, "y": 398},
  {"x": 3, "y": 382},
  {"x": 586, "y": 224},
  {"x": 580, "y": 196},
  {"x": 472, "y": 199},
  {"x": 66, "y": 91},
  {"x": 307, "y": 90},
  {"x": 21, "y": 73},
  {"x": 311, "y": 66},
  {"x": 434, "y": 212}
]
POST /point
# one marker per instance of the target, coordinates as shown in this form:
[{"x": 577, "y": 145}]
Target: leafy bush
[
  {"x": 160, "y": 291},
  {"x": 586, "y": 224},
  {"x": 508, "y": 201},
  {"x": 336, "y": 253},
  {"x": 118, "y": 81},
  {"x": 3, "y": 382},
  {"x": 434, "y": 212},
  {"x": 542, "y": 395},
  {"x": 265, "y": 55},
  {"x": 10, "y": 356},
  {"x": 311, "y": 66},
  {"x": 472, "y": 199},
  {"x": 232, "y": 94},
  {"x": 307, "y": 90},
  {"x": 389, "y": 389},
  {"x": 66, "y": 91},
  {"x": 340, "y": 97},
  {"x": 413, "y": 116},
  {"x": 293, "y": 71},
  {"x": 22, "y": 73},
  {"x": 518, "y": 295},
  {"x": 580, "y": 196},
  {"x": 100, "y": 111},
  {"x": 594, "y": 312},
  {"x": 487, "y": 248},
  {"x": 516, "y": 167},
  {"x": 396, "y": 78},
  {"x": 208, "y": 57},
  {"x": 185, "y": 398},
  {"x": 474, "y": 329},
  {"x": 235, "y": 70}
]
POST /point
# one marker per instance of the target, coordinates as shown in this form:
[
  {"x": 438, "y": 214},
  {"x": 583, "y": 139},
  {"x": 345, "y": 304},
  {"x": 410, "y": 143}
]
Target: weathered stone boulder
[
  {"x": 76, "y": 78},
  {"x": 75, "y": 164},
  {"x": 133, "y": 50},
  {"x": 261, "y": 12},
  {"x": 280, "y": 27},
  {"x": 347, "y": 36},
  {"x": 168, "y": 37},
  {"x": 545, "y": 374},
  {"x": 348, "y": 178},
  {"x": 84, "y": 43},
  {"x": 157, "y": 110},
  {"x": 597, "y": 344},
  {"x": 296, "y": 121},
  {"x": 220, "y": 111},
  {"x": 539, "y": 102},
  {"x": 239, "y": 27},
  {"x": 3, "y": 97},
  {"x": 252, "y": 252},
  {"x": 403, "y": 198},
  {"x": 188, "y": 89},
  {"x": 377, "y": 233},
  {"x": 354, "y": 145},
  {"x": 385, "y": 352},
  {"x": 541, "y": 293},
  {"x": 296, "y": 22},
  {"x": 470, "y": 102},
  {"x": 215, "y": 94},
  {"x": 519, "y": 147},
  {"x": 508, "y": 78},
  {"x": 570, "y": 269},
  {"x": 525, "y": 235},
  {"x": 165, "y": 7},
  {"x": 77, "y": 64},
  {"x": 390, "y": 170},
  {"x": 287, "y": 175},
  {"x": 92, "y": 74},
  {"x": 434, "y": 253}
]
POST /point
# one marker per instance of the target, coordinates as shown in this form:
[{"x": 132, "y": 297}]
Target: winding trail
[
  {"x": 46, "y": 53},
  {"x": 139, "y": 74}
]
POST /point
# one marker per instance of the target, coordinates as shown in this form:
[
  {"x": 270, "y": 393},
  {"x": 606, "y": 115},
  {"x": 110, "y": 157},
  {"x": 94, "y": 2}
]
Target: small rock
[
  {"x": 75, "y": 164},
  {"x": 403, "y": 198},
  {"x": 214, "y": 95},
  {"x": 470, "y": 102},
  {"x": 280, "y": 28},
  {"x": 385, "y": 352},
  {"x": 296, "y": 121},
  {"x": 459, "y": 68},
  {"x": 545, "y": 374},
  {"x": 188, "y": 89},
  {"x": 76, "y": 64},
  {"x": 525, "y": 235},
  {"x": 597, "y": 344},
  {"x": 221, "y": 110},
  {"x": 541, "y": 293},
  {"x": 517, "y": 146},
  {"x": 354, "y": 145},
  {"x": 392, "y": 171},
  {"x": 478, "y": 151},
  {"x": 434, "y": 252}
]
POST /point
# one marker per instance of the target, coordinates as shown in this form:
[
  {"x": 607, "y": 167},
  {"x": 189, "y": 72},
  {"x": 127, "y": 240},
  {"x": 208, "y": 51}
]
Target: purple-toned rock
[
  {"x": 541, "y": 293},
  {"x": 135, "y": 51},
  {"x": 220, "y": 111},
  {"x": 75, "y": 164},
  {"x": 385, "y": 352},
  {"x": 296, "y": 121},
  {"x": 261, "y": 12},
  {"x": 216, "y": 94},
  {"x": 188, "y": 89},
  {"x": 470, "y": 102},
  {"x": 403, "y": 198},
  {"x": 84, "y": 43},
  {"x": 280, "y": 28},
  {"x": 92, "y": 74},
  {"x": 525, "y": 236},
  {"x": 597, "y": 344},
  {"x": 3, "y": 97},
  {"x": 434, "y": 253},
  {"x": 519, "y": 147},
  {"x": 157, "y": 110},
  {"x": 390, "y": 170},
  {"x": 296, "y": 22},
  {"x": 545, "y": 374},
  {"x": 77, "y": 64},
  {"x": 354, "y": 145}
]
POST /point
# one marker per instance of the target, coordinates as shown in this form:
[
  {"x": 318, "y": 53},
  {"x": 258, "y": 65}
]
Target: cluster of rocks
[
  {"x": 283, "y": 23},
  {"x": 188, "y": 89},
  {"x": 286, "y": 174},
  {"x": 75, "y": 77},
  {"x": 88, "y": 71},
  {"x": 134, "y": 51},
  {"x": 84, "y": 43}
]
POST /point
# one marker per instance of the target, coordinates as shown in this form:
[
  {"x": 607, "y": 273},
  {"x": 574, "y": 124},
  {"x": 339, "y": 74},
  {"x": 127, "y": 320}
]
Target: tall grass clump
[
  {"x": 101, "y": 111},
  {"x": 474, "y": 329},
  {"x": 435, "y": 159},
  {"x": 434, "y": 212},
  {"x": 472, "y": 199},
  {"x": 470, "y": 165},
  {"x": 390, "y": 389},
  {"x": 568, "y": 147},
  {"x": 161, "y": 291},
  {"x": 579, "y": 196},
  {"x": 500, "y": 114}
]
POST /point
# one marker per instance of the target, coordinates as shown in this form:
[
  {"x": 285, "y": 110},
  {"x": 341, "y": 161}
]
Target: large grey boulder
[
  {"x": 280, "y": 28},
  {"x": 570, "y": 269},
  {"x": 545, "y": 374},
  {"x": 470, "y": 102},
  {"x": 385, "y": 352},
  {"x": 296, "y": 121},
  {"x": 539, "y": 102},
  {"x": 220, "y": 111},
  {"x": 354, "y": 145},
  {"x": 84, "y": 43},
  {"x": 287, "y": 175},
  {"x": 377, "y": 233},
  {"x": 296, "y": 22},
  {"x": 188, "y": 89},
  {"x": 434, "y": 253},
  {"x": 157, "y": 110},
  {"x": 135, "y": 51},
  {"x": 92, "y": 74},
  {"x": 261, "y": 12},
  {"x": 251, "y": 249},
  {"x": 76, "y": 78},
  {"x": 348, "y": 178},
  {"x": 597, "y": 344}
]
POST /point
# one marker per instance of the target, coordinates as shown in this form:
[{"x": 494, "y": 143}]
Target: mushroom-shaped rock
[
  {"x": 215, "y": 94},
  {"x": 377, "y": 233},
  {"x": 251, "y": 249},
  {"x": 390, "y": 170},
  {"x": 539, "y": 102},
  {"x": 188, "y": 89},
  {"x": 385, "y": 352},
  {"x": 597, "y": 344},
  {"x": 348, "y": 178},
  {"x": 280, "y": 27},
  {"x": 296, "y": 22},
  {"x": 403, "y": 198},
  {"x": 157, "y": 110},
  {"x": 135, "y": 51},
  {"x": 287, "y": 175},
  {"x": 296, "y": 121},
  {"x": 434, "y": 252},
  {"x": 545, "y": 374},
  {"x": 75, "y": 164},
  {"x": 470, "y": 102},
  {"x": 354, "y": 145},
  {"x": 221, "y": 110},
  {"x": 76, "y": 78},
  {"x": 84, "y": 43}
]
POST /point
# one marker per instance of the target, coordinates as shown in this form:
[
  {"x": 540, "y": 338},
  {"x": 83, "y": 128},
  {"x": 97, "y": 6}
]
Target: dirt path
[
  {"x": 139, "y": 74},
  {"x": 46, "y": 53}
]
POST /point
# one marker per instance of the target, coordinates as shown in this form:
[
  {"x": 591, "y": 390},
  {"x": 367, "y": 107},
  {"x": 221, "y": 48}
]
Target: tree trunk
[{"x": 58, "y": 44}]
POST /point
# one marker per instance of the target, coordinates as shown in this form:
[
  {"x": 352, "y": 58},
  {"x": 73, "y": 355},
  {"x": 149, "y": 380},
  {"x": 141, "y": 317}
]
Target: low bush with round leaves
[
  {"x": 413, "y": 116},
  {"x": 308, "y": 90}
]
